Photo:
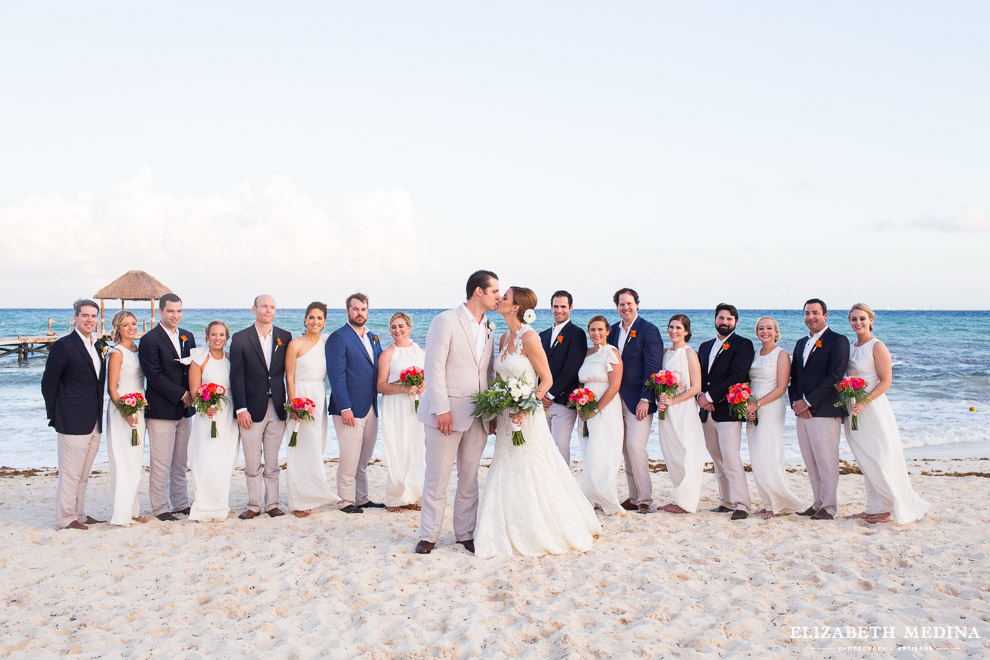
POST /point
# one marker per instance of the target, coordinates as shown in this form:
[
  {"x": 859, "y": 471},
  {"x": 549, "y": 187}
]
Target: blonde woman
[
  {"x": 768, "y": 378},
  {"x": 124, "y": 376},
  {"x": 877, "y": 442}
]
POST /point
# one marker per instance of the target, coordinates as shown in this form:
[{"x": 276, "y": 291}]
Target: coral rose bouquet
[
  {"x": 583, "y": 400},
  {"x": 662, "y": 382},
  {"x": 507, "y": 395},
  {"x": 851, "y": 389},
  {"x": 303, "y": 409},
  {"x": 132, "y": 404},
  {"x": 210, "y": 395},
  {"x": 413, "y": 377},
  {"x": 737, "y": 397}
]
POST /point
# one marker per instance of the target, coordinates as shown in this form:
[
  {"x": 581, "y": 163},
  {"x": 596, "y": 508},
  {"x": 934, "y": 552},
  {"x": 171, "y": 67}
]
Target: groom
[{"x": 459, "y": 363}]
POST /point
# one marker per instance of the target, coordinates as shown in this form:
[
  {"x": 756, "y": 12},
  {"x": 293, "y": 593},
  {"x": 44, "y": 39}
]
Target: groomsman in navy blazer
[
  {"x": 170, "y": 411},
  {"x": 817, "y": 366},
  {"x": 565, "y": 345},
  {"x": 73, "y": 386},
  {"x": 725, "y": 361},
  {"x": 352, "y": 367},
  {"x": 257, "y": 389},
  {"x": 641, "y": 348}
]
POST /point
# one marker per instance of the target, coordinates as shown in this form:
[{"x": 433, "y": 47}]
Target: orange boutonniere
[
  {"x": 278, "y": 342},
  {"x": 632, "y": 334},
  {"x": 184, "y": 340},
  {"x": 818, "y": 344},
  {"x": 725, "y": 346},
  {"x": 560, "y": 339}
]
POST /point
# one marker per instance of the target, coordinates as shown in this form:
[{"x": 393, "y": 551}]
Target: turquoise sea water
[{"x": 941, "y": 369}]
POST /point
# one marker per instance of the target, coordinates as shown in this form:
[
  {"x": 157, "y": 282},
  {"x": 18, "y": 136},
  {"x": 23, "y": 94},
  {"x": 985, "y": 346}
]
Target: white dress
[
  {"x": 766, "y": 439},
  {"x": 402, "y": 434},
  {"x": 682, "y": 440},
  {"x": 877, "y": 447},
  {"x": 601, "y": 451},
  {"x": 125, "y": 459},
  {"x": 306, "y": 483},
  {"x": 531, "y": 504},
  {"x": 212, "y": 460}
]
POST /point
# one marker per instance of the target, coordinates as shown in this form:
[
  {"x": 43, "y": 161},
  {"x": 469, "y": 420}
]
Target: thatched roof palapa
[{"x": 133, "y": 285}]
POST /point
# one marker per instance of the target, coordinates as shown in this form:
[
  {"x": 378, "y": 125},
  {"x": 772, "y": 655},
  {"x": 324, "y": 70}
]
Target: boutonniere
[
  {"x": 560, "y": 339},
  {"x": 101, "y": 347},
  {"x": 374, "y": 339},
  {"x": 183, "y": 339},
  {"x": 632, "y": 335},
  {"x": 818, "y": 344},
  {"x": 490, "y": 325},
  {"x": 725, "y": 346},
  {"x": 278, "y": 342}
]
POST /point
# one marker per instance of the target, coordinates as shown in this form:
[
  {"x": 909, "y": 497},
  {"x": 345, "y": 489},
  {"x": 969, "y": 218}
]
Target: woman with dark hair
[
  {"x": 682, "y": 440},
  {"x": 305, "y": 377},
  {"x": 531, "y": 504},
  {"x": 124, "y": 376},
  {"x": 403, "y": 435}
]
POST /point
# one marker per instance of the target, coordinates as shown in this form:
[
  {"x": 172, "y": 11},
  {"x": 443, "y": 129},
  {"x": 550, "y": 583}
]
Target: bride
[{"x": 531, "y": 504}]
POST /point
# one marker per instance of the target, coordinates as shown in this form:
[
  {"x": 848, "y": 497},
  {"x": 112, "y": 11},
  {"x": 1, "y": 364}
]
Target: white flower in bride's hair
[{"x": 529, "y": 316}]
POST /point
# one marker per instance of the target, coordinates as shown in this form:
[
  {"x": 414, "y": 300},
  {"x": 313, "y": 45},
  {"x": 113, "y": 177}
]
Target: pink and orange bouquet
[
  {"x": 303, "y": 409},
  {"x": 737, "y": 397},
  {"x": 132, "y": 404},
  {"x": 851, "y": 389},
  {"x": 413, "y": 377},
  {"x": 583, "y": 400},
  {"x": 662, "y": 382},
  {"x": 210, "y": 395}
]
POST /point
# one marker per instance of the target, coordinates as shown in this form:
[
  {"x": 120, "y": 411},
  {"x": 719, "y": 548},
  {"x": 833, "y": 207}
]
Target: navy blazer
[
  {"x": 168, "y": 379},
  {"x": 252, "y": 381},
  {"x": 565, "y": 357},
  {"x": 731, "y": 366},
  {"x": 816, "y": 381},
  {"x": 641, "y": 358},
  {"x": 72, "y": 389},
  {"x": 353, "y": 374}
]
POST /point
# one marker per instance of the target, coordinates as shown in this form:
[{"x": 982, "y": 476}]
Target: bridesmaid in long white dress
[
  {"x": 212, "y": 459},
  {"x": 768, "y": 378},
  {"x": 682, "y": 439},
  {"x": 601, "y": 451},
  {"x": 877, "y": 443},
  {"x": 306, "y": 377},
  {"x": 402, "y": 434},
  {"x": 124, "y": 376}
]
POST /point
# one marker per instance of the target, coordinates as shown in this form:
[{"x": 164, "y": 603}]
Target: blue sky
[{"x": 760, "y": 153}]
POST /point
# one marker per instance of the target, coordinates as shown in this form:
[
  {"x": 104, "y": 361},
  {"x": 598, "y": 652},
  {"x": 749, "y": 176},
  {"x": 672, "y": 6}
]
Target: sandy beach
[{"x": 656, "y": 586}]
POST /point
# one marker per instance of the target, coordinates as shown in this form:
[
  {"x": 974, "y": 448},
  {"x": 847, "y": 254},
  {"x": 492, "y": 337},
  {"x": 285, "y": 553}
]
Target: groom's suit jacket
[
  {"x": 815, "y": 381},
  {"x": 252, "y": 381},
  {"x": 72, "y": 389},
  {"x": 730, "y": 366},
  {"x": 453, "y": 372},
  {"x": 565, "y": 356},
  {"x": 641, "y": 358},
  {"x": 352, "y": 372},
  {"x": 168, "y": 379}
]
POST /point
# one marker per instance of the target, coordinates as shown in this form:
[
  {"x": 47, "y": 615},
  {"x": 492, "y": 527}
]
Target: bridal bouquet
[
  {"x": 583, "y": 400},
  {"x": 132, "y": 404},
  {"x": 413, "y": 377},
  {"x": 851, "y": 389},
  {"x": 737, "y": 397},
  {"x": 662, "y": 382},
  {"x": 507, "y": 395},
  {"x": 303, "y": 409},
  {"x": 210, "y": 395}
]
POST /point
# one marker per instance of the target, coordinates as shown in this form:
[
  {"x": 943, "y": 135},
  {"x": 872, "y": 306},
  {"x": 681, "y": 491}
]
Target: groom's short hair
[
  {"x": 816, "y": 301},
  {"x": 478, "y": 278},
  {"x": 167, "y": 298},
  {"x": 562, "y": 294}
]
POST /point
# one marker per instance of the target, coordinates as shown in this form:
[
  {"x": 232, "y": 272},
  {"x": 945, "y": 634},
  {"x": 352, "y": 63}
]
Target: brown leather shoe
[
  {"x": 90, "y": 520},
  {"x": 643, "y": 508},
  {"x": 165, "y": 517},
  {"x": 739, "y": 514},
  {"x": 247, "y": 514},
  {"x": 275, "y": 512},
  {"x": 810, "y": 511},
  {"x": 468, "y": 545},
  {"x": 184, "y": 512},
  {"x": 75, "y": 524},
  {"x": 628, "y": 505},
  {"x": 424, "y": 547},
  {"x": 822, "y": 514}
]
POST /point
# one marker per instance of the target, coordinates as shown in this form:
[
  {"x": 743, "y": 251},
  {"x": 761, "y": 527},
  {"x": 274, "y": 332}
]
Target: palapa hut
[{"x": 132, "y": 285}]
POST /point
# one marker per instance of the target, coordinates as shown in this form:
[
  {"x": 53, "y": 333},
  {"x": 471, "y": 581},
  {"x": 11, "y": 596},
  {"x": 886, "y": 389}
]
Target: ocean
[{"x": 941, "y": 371}]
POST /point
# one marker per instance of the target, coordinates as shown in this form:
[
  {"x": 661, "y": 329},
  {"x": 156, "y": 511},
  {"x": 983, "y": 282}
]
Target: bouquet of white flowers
[{"x": 507, "y": 395}]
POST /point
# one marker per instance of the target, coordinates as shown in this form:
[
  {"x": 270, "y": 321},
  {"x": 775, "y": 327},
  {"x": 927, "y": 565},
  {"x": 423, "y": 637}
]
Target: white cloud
[{"x": 970, "y": 220}]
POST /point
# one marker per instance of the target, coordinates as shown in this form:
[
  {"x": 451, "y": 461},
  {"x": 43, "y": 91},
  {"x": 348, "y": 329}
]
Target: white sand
[{"x": 344, "y": 586}]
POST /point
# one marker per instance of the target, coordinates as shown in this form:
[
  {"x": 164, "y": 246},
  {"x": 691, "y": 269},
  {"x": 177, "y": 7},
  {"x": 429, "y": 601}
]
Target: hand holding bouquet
[
  {"x": 851, "y": 389},
  {"x": 302, "y": 409},
  {"x": 662, "y": 383},
  {"x": 413, "y": 377},
  {"x": 507, "y": 395},
  {"x": 584, "y": 401},
  {"x": 131, "y": 404},
  {"x": 210, "y": 395},
  {"x": 737, "y": 397}
]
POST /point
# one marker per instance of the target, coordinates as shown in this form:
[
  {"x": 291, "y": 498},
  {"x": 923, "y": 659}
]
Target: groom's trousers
[
  {"x": 637, "y": 434},
  {"x": 76, "y": 454},
  {"x": 818, "y": 439},
  {"x": 356, "y": 443},
  {"x": 169, "y": 449},
  {"x": 464, "y": 447},
  {"x": 264, "y": 436},
  {"x": 561, "y": 420},
  {"x": 722, "y": 440}
]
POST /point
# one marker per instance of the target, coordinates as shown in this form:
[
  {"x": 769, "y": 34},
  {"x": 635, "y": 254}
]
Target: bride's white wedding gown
[{"x": 531, "y": 504}]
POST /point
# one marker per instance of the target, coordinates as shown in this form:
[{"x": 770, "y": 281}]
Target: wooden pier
[{"x": 25, "y": 347}]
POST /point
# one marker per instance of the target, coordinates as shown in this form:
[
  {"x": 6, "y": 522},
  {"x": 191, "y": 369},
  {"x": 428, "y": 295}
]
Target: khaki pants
[
  {"x": 818, "y": 439},
  {"x": 76, "y": 454},
  {"x": 169, "y": 440},
  {"x": 561, "y": 422},
  {"x": 464, "y": 447},
  {"x": 263, "y": 438},
  {"x": 722, "y": 440},
  {"x": 356, "y": 446},
  {"x": 637, "y": 433}
]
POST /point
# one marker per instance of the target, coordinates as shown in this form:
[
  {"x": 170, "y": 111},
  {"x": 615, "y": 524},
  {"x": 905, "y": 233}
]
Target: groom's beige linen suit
[{"x": 459, "y": 364}]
